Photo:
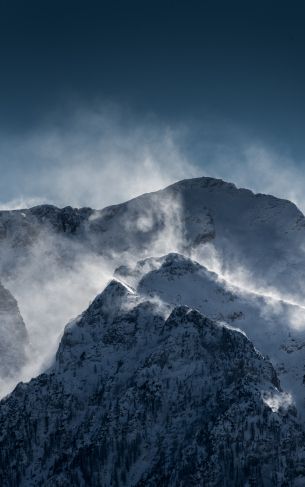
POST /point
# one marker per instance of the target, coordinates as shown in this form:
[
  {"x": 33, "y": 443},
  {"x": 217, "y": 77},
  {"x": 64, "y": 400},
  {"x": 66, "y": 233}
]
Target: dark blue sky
[
  {"x": 244, "y": 61},
  {"x": 239, "y": 64}
]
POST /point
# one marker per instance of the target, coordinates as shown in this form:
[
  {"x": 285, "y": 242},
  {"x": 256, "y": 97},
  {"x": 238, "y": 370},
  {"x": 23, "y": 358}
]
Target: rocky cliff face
[
  {"x": 263, "y": 235},
  {"x": 276, "y": 327},
  {"x": 13, "y": 336},
  {"x": 172, "y": 376},
  {"x": 49, "y": 255},
  {"x": 143, "y": 393}
]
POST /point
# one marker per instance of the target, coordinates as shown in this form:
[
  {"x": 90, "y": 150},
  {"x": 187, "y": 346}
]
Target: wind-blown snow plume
[
  {"x": 50, "y": 294},
  {"x": 277, "y": 401},
  {"x": 95, "y": 158},
  {"x": 241, "y": 277},
  {"x": 57, "y": 276}
]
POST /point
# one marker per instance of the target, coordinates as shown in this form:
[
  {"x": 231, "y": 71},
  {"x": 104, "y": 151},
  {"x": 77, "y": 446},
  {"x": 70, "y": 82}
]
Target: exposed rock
[
  {"x": 13, "y": 335},
  {"x": 140, "y": 398}
]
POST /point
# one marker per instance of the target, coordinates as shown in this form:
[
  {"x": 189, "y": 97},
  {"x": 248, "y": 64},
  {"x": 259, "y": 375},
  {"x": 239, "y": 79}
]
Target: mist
[
  {"x": 55, "y": 278},
  {"x": 96, "y": 158},
  {"x": 106, "y": 156},
  {"x": 50, "y": 294},
  {"x": 103, "y": 155}
]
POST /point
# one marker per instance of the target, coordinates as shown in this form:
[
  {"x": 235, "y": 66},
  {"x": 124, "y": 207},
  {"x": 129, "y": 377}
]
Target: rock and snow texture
[
  {"x": 172, "y": 376},
  {"x": 263, "y": 235},
  {"x": 13, "y": 336},
  {"x": 48, "y": 255},
  {"x": 276, "y": 328},
  {"x": 144, "y": 394}
]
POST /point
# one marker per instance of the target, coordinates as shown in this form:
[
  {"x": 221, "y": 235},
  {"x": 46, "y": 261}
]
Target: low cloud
[
  {"x": 58, "y": 277},
  {"x": 102, "y": 157}
]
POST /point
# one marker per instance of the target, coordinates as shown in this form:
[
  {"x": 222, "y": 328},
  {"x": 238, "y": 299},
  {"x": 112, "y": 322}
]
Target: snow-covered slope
[
  {"x": 172, "y": 376},
  {"x": 276, "y": 328},
  {"x": 55, "y": 261},
  {"x": 13, "y": 336},
  {"x": 258, "y": 234},
  {"x": 146, "y": 394}
]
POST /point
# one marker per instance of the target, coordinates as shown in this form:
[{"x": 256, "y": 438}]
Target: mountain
[
  {"x": 61, "y": 258},
  {"x": 187, "y": 370},
  {"x": 13, "y": 336},
  {"x": 143, "y": 393},
  {"x": 276, "y": 327},
  {"x": 261, "y": 235}
]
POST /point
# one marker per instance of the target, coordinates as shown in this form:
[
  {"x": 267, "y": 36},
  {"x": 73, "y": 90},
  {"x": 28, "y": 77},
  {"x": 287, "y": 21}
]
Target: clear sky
[{"x": 219, "y": 84}]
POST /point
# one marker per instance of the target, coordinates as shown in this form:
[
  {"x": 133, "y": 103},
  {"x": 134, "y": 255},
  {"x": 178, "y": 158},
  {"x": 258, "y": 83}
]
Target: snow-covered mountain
[
  {"x": 13, "y": 336},
  {"x": 276, "y": 327},
  {"x": 262, "y": 235},
  {"x": 174, "y": 375},
  {"x": 49, "y": 255},
  {"x": 146, "y": 394}
]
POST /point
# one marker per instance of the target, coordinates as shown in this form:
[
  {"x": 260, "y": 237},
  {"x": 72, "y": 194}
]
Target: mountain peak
[
  {"x": 203, "y": 182},
  {"x": 114, "y": 292},
  {"x": 184, "y": 389}
]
